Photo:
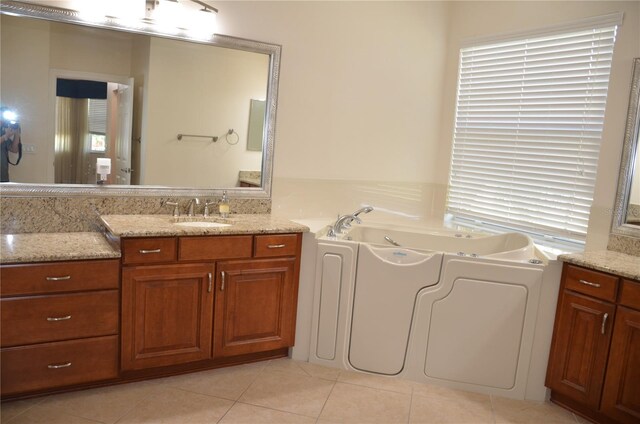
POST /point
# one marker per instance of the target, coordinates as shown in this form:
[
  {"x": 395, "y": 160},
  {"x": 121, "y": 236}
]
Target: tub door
[{"x": 387, "y": 283}]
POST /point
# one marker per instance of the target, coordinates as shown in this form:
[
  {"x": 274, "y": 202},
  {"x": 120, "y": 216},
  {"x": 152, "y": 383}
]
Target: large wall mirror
[
  {"x": 175, "y": 116},
  {"x": 627, "y": 208}
]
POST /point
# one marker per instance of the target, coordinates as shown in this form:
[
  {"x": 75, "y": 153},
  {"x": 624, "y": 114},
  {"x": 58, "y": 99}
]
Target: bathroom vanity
[
  {"x": 158, "y": 299},
  {"x": 594, "y": 365}
]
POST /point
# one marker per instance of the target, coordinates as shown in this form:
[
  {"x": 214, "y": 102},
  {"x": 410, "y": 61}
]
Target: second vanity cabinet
[
  {"x": 203, "y": 298},
  {"x": 594, "y": 366}
]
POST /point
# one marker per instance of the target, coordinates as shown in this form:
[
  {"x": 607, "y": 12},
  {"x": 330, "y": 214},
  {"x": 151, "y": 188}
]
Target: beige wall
[
  {"x": 24, "y": 73},
  {"x": 235, "y": 77}
]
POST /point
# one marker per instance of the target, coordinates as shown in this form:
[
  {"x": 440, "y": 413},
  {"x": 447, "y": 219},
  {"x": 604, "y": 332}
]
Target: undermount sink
[{"x": 202, "y": 224}]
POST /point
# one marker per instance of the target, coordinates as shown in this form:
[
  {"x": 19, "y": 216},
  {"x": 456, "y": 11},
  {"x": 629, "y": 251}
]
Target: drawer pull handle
[
  {"x": 276, "y": 246},
  {"x": 604, "y": 322},
  {"x": 58, "y": 366},
  {"x": 210, "y": 283},
  {"x": 59, "y": 319},
  {"x": 589, "y": 283},
  {"x": 223, "y": 275},
  {"x": 146, "y": 252},
  {"x": 66, "y": 277}
]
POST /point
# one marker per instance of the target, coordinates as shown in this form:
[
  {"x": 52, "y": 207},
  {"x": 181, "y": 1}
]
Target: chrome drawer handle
[
  {"x": 59, "y": 319},
  {"x": 66, "y": 277},
  {"x": 604, "y": 322},
  {"x": 223, "y": 275},
  {"x": 589, "y": 283},
  {"x": 210, "y": 282},
  {"x": 144, "y": 252},
  {"x": 57, "y": 366},
  {"x": 276, "y": 246}
]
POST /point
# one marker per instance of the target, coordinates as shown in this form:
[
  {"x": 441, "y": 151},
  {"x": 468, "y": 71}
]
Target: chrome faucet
[
  {"x": 345, "y": 221},
  {"x": 190, "y": 206}
]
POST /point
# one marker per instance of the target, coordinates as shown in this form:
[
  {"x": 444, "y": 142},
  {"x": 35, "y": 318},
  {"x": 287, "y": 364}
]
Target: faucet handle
[
  {"x": 206, "y": 207},
  {"x": 176, "y": 210}
]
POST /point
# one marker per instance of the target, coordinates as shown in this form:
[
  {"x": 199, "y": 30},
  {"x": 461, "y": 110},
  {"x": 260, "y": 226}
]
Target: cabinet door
[
  {"x": 580, "y": 346},
  {"x": 167, "y": 313},
  {"x": 621, "y": 397},
  {"x": 255, "y": 306}
]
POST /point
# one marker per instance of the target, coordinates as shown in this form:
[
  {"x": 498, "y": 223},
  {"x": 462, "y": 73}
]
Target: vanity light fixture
[{"x": 173, "y": 16}]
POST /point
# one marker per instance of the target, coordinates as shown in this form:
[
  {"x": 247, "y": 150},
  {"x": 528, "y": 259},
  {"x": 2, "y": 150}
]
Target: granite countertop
[
  {"x": 47, "y": 247},
  {"x": 165, "y": 225},
  {"x": 608, "y": 261},
  {"x": 253, "y": 181}
]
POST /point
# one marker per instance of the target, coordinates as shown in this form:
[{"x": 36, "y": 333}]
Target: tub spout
[{"x": 365, "y": 209}]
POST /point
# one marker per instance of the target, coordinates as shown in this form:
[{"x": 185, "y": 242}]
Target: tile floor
[{"x": 278, "y": 391}]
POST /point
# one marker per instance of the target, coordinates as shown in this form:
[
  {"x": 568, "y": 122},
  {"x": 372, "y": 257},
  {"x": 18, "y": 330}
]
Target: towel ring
[{"x": 231, "y": 132}]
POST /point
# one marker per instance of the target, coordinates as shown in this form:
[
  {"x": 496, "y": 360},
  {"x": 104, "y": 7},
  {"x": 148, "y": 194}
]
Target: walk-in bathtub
[{"x": 457, "y": 309}]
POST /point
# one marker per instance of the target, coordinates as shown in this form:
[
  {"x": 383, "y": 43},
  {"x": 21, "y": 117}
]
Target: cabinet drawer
[
  {"x": 49, "y": 365},
  {"x": 214, "y": 248},
  {"x": 630, "y": 294},
  {"x": 276, "y": 245},
  {"x": 148, "y": 250},
  {"x": 593, "y": 283},
  {"x": 37, "y": 319},
  {"x": 59, "y": 277}
]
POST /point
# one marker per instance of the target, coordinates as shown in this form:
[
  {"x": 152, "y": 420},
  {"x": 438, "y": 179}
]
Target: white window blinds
[
  {"x": 529, "y": 119},
  {"x": 98, "y": 116}
]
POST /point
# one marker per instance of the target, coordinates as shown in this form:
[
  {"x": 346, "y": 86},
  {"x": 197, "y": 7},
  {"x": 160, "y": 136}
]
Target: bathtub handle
[
  {"x": 589, "y": 283},
  {"x": 604, "y": 322}
]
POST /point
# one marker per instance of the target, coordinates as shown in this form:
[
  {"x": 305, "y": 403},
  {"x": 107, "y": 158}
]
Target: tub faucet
[
  {"x": 190, "y": 206},
  {"x": 342, "y": 222}
]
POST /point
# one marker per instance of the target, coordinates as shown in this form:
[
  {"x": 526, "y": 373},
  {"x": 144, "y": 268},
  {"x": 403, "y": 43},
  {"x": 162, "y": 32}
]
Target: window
[
  {"x": 97, "y": 122},
  {"x": 529, "y": 118}
]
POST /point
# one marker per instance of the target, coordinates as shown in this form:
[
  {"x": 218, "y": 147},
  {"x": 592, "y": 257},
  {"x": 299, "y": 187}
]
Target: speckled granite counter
[
  {"x": 47, "y": 247},
  {"x": 608, "y": 261},
  {"x": 165, "y": 225}
]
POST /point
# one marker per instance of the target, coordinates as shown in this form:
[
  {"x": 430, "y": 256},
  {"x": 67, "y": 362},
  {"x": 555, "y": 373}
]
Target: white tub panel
[
  {"x": 387, "y": 282},
  {"x": 475, "y": 333},
  {"x": 330, "y": 285}
]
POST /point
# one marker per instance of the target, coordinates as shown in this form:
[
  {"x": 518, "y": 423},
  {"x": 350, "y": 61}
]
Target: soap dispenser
[{"x": 223, "y": 207}]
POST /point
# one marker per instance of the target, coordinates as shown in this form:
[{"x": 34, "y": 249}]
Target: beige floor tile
[
  {"x": 527, "y": 412},
  {"x": 393, "y": 384},
  {"x": 44, "y": 414},
  {"x": 581, "y": 420},
  {"x": 299, "y": 394},
  {"x": 175, "y": 406},
  {"x": 12, "y": 409},
  {"x": 242, "y": 413},
  {"x": 303, "y": 368},
  {"x": 106, "y": 404},
  {"x": 451, "y": 406},
  {"x": 226, "y": 383},
  {"x": 357, "y": 404}
]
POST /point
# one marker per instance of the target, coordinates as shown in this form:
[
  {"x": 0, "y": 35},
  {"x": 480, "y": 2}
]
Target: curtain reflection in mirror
[{"x": 71, "y": 133}]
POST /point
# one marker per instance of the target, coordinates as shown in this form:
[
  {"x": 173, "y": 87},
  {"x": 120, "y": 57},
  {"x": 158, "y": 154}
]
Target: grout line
[
  {"x": 375, "y": 388},
  {"x": 326, "y": 400},
  {"x": 410, "y": 406},
  {"x": 493, "y": 411},
  {"x": 274, "y": 409},
  {"x": 225, "y": 414}
]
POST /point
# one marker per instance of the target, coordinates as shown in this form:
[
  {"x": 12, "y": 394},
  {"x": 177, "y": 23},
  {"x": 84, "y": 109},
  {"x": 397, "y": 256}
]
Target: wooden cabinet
[
  {"x": 60, "y": 324},
  {"x": 213, "y": 298},
  {"x": 166, "y": 314},
  {"x": 594, "y": 365},
  {"x": 255, "y": 306}
]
